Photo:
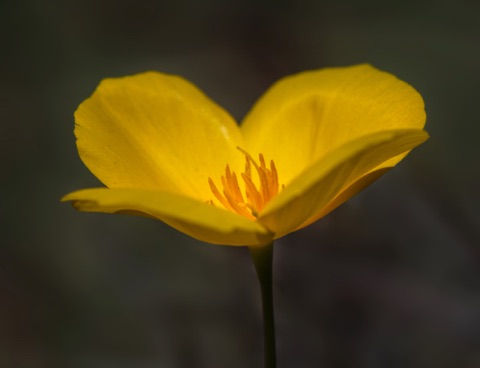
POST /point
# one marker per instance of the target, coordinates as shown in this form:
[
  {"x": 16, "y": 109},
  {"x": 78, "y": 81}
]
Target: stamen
[
  {"x": 274, "y": 178},
  {"x": 253, "y": 195},
  {"x": 218, "y": 195},
  {"x": 255, "y": 199}
]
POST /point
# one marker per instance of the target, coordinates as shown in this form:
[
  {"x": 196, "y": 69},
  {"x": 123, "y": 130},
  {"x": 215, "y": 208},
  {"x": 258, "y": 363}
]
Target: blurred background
[{"x": 389, "y": 279}]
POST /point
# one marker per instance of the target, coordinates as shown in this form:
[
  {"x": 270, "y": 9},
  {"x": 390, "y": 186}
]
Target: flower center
[{"x": 255, "y": 198}]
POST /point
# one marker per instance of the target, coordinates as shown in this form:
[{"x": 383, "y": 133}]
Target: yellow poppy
[{"x": 163, "y": 149}]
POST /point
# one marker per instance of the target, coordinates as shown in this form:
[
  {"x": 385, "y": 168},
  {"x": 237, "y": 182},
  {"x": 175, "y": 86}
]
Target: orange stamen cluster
[{"x": 255, "y": 198}]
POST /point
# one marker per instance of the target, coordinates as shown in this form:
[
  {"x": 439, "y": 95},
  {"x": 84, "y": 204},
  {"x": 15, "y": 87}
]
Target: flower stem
[{"x": 262, "y": 259}]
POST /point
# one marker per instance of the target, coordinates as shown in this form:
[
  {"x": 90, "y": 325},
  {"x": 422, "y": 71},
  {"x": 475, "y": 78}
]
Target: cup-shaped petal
[
  {"x": 199, "y": 220},
  {"x": 155, "y": 131},
  {"x": 311, "y": 193},
  {"x": 303, "y": 117}
]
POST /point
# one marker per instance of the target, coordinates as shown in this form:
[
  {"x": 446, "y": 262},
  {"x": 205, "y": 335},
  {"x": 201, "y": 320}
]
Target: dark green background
[{"x": 390, "y": 279}]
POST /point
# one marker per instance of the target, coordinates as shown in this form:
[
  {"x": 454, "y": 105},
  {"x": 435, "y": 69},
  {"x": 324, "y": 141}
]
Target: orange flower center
[{"x": 255, "y": 199}]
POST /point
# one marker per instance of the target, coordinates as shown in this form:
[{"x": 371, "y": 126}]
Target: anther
[{"x": 255, "y": 199}]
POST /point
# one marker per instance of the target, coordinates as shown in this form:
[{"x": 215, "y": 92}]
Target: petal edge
[
  {"x": 199, "y": 220},
  {"x": 312, "y": 191}
]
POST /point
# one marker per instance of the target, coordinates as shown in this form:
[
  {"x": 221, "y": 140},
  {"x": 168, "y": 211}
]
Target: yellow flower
[{"x": 313, "y": 140}]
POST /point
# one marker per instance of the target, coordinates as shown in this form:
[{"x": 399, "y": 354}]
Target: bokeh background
[{"x": 390, "y": 279}]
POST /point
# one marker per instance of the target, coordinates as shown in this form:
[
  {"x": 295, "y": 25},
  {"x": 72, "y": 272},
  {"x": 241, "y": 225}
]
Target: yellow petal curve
[
  {"x": 155, "y": 131},
  {"x": 347, "y": 193},
  {"x": 199, "y": 220},
  {"x": 303, "y": 117},
  {"x": 310, "y": 193}
]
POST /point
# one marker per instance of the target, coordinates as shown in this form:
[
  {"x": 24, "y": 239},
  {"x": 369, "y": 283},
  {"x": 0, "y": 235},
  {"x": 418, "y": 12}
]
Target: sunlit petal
[
  {"x": 304, "y": 117},
  {"x": 310, "y": 193},
  {"x": 347, "y": 193},
  {"x": 155, "y": 131},
  {"x": 199, "y": 220}
]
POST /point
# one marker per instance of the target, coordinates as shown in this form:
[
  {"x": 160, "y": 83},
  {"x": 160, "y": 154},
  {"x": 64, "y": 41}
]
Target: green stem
[{"x": 262, "y": 259}]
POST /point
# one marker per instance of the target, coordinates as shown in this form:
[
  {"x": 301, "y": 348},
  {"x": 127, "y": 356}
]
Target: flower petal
[
  {"x": 155, "y": 131},
  {"x": 310, "y": 193},
  {"x": 348, "y": 193},
  {"x": 303, "y": 117},
  {"x": 199, "y": 220}
]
